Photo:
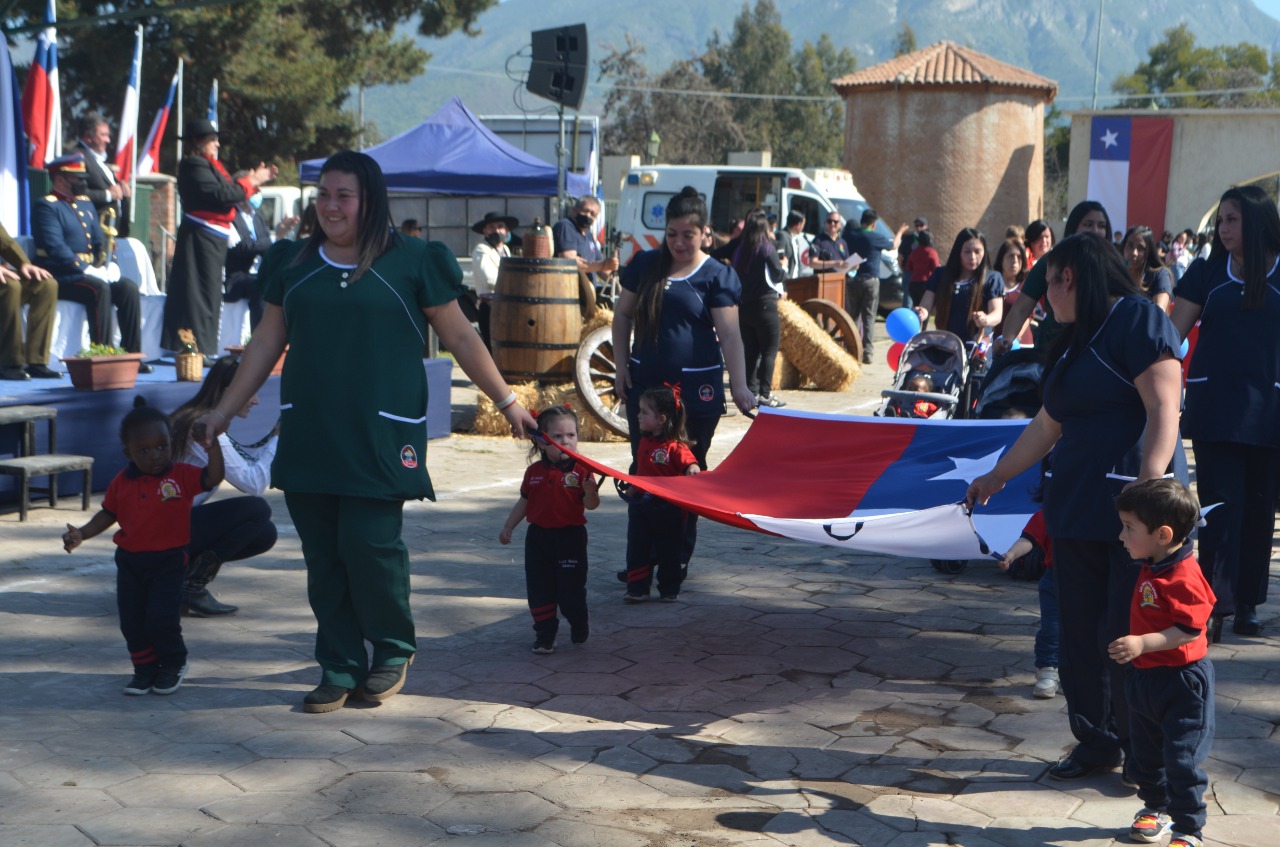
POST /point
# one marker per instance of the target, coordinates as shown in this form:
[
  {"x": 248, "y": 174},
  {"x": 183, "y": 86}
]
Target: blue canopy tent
[{"x": 452, "y": 152}]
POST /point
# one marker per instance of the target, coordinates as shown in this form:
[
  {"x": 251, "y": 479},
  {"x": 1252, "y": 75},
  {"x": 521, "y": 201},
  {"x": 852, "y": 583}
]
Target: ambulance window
[
  {"x": 814, "y": 212},
  {"x": 653, "y": 212}
]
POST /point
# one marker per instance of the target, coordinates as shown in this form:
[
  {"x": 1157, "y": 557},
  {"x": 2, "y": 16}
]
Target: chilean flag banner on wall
[
  {"x": 882, "y": 485},
  {"x": 1129, "y": 169}
]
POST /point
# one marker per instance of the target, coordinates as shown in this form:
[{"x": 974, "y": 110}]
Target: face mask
[
  {"x": 255, "y": 201},
  {"x": 507, "y": 240},
  {"x": 494, "y": 239},
  {"x": 583, "y": 221},
  {"x": 79, "y": 185}
]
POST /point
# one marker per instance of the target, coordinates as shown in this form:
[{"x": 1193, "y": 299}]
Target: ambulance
[{"x": 730, "y": 193}]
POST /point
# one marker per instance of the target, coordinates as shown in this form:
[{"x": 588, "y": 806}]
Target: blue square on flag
[{"x": 1109, "y": 139}]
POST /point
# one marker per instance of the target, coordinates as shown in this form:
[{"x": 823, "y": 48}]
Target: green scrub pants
[{"x": 357, "y": 582}]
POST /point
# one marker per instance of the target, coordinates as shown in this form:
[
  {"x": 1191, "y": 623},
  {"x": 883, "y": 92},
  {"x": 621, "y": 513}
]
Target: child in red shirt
[
  {"x": 556, "y": 491},
  {"x": 151, "y": 501},
  {"x": 655, "y": 528},
  {"x": 1170, "y": 687}
]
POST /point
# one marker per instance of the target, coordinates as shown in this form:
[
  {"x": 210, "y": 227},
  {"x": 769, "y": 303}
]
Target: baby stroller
[
  {"x": 1012, "y": 386},
  {"x": 939, "y": 356}
]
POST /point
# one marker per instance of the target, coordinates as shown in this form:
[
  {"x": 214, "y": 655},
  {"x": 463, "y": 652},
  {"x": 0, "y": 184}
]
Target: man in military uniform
[
  {"x": 68, "y": 241},
  {"x": 20, "y": 285}
]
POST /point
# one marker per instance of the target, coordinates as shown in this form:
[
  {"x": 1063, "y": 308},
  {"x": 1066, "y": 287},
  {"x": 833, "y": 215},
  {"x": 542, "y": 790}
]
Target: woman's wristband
[{"x": 505, "y": 402}]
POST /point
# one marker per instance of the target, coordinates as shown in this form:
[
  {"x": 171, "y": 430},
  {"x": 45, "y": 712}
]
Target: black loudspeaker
[{"x": 559, "y": 68}]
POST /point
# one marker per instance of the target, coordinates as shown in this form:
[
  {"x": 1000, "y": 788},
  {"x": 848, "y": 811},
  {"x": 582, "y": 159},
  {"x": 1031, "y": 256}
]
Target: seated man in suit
[
  {"x": 24, "y": 284},
  {"x": 68, "y": 242}
]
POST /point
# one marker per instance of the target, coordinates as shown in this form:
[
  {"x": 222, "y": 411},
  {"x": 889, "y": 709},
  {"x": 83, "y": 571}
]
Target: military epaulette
[
  {"x": 84, "y": 197},
  {"x": 52, "y": 198}
]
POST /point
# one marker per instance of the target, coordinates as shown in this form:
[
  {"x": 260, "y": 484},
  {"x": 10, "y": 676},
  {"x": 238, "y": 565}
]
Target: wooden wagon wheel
[
  {"x": 586, "y": 296},
  {"x": 837, "y": 323},
  {"x": 594, "y": 375}
]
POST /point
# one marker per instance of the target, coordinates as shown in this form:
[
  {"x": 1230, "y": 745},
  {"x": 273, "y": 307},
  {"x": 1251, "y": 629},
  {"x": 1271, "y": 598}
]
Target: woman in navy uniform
[
  {"x": 1111, "y": 401},
  {"x": 683, "y": 306},
  {"x": 354, "y": 302},
  {"x": 1233, "y": 400}
]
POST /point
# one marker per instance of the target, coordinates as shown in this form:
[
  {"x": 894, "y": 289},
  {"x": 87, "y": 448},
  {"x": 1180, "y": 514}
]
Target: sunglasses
[{"x": 834, "y": 221}]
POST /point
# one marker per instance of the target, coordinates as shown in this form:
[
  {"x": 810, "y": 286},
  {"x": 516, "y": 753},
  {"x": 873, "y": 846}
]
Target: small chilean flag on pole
[
  {"x": 1129, "y": 169},
  {"x": 127, "y": 143},
  {"x": 149, "y": 162},
  {"x": 41, "y": 97}
]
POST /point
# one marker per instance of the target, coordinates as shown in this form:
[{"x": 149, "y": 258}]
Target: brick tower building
[{"x": 951, "y": 134}]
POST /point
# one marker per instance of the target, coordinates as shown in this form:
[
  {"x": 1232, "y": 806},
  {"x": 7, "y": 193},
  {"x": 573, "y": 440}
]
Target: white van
[{"x": 730, "y": 193}]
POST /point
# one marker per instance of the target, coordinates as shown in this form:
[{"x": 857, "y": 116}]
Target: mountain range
[{"x": 1055, "y": 40}]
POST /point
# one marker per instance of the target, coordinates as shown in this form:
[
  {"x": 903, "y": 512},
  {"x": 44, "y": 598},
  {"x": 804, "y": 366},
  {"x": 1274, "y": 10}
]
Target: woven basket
[{"x": 190, "y": 367}]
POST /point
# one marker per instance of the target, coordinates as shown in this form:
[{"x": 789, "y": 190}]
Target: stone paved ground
[{"x": 791, "y": 697}]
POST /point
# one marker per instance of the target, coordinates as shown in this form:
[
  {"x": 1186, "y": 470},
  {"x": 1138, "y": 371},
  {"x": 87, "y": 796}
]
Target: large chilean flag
[
  {"x": 14, "y": 207},
  {"x": 127, "y": 144},
  {"x": 149, "y": 161},
  {"x": 42, "y": 98},
  {"x": 882, "y": 485},
  {"x": 1129, "y": 169}
]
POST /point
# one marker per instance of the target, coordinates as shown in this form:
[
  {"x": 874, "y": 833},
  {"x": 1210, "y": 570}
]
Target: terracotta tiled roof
[{"x": 945, "y": 63}]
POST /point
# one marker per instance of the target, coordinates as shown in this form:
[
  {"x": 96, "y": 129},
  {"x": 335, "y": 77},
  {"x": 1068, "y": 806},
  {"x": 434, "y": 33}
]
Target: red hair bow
[{"x": 675, "y": 392}]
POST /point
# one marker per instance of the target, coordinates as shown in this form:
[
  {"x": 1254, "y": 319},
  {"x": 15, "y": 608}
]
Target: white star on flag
[
  {"x": 1109, "y": 138},
  {"x": 968, "y": 469}
]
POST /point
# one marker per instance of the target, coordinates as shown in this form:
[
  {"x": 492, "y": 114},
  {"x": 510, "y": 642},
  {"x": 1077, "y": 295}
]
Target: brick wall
[
  {"x": 959, "y": 156},
  {"x": 164, "y": 213}
]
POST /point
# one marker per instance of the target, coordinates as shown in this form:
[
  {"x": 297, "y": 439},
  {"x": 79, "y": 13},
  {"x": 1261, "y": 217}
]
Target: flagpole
[
  {"x": 133, "y": 171},
  {"x": 181, "y": 65}
]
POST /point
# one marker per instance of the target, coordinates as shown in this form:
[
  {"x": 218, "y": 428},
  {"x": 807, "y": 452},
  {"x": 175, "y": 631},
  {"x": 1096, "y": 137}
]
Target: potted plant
[
  {"x": 100, "y": 367},
  {"x": 238, "y": 350}
]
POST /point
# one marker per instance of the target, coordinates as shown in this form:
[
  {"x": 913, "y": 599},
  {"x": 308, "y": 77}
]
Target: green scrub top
[{"x": 353, "y": 394}]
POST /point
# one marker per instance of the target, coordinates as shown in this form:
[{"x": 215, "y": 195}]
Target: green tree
[
  {"x": 694, "y": 129},
  {"x": 813, "y": 132},
  {"x": 1176, "y": 65},
  {"x": 285, "y": 70},
  {"x": 905, "y": 42},
  {"x": 755, "y": 59}
]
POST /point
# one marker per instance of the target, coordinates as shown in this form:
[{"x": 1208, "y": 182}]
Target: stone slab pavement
[{"x": 791, "y": 697}]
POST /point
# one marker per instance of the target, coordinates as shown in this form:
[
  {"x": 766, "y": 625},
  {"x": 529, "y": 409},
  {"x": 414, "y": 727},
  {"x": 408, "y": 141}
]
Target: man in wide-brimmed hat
[
  {"x": 486, "y": 259},
  {"x": 209, "y": 199}
]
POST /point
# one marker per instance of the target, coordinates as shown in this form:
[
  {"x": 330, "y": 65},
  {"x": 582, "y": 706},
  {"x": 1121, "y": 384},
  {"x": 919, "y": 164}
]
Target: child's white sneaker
[
  {"x": 1047, "y": 683},
  {"x": 1150, "y": 827}
]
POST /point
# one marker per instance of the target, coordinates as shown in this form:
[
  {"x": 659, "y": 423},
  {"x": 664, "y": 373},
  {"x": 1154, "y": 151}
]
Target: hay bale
[
  {"x": 602, "y": 317},
  {"x": 814, "y": 352},
  {"x": 787, "y": 376},
  {"x": 489, "y": 421}
]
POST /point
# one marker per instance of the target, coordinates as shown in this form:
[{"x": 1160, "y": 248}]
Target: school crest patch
[
  {"x": 169, "y": 490},
  {"x": 1148, "y": 594},
  {"x": 706, "y": 393},
  {"x": 572, "y": 480},
  {"x": 661, "y": 456},
  {"x": 408, "y": 456}
]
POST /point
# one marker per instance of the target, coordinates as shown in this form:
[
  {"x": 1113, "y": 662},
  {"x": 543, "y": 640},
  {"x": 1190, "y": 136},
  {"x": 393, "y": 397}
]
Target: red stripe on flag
[
  {"x": 36, "y": 109},
  {"x": 1150, "y": 152}
]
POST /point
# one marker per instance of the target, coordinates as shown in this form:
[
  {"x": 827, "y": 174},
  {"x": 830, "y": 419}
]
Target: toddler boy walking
[{"x": 1170, "y": 687}]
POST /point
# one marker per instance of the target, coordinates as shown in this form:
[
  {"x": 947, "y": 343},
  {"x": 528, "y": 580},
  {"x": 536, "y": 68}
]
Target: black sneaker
[
  {"x": 635, "y": 598},
  {"x": 384, "y": 681},
  {"x": 542, "y": 648},
  {"x": 325, "y": 698},
  {"x": 168, "y": 680},
  {"x": 670, "y": 598},
  {"x": 580, "y": 634},
  {"x": 144, "y": 679}
]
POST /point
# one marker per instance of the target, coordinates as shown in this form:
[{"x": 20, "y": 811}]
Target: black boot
[
  {"x": 1246, "y": 622},
  {"x": 202, "y": 604}
]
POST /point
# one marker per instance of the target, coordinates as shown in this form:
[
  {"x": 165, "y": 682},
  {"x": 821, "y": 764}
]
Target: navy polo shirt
[
  {"x": 827, "y": 249},
  {"x": 1233, "y": 382},
  {"x": 567, "y": 237},
  {"x": 687, "y": 350},
  {"x": 1159, "y": 281},
  {"x": 961, "y": 294},
  {"x": 1102, "y": 415}
]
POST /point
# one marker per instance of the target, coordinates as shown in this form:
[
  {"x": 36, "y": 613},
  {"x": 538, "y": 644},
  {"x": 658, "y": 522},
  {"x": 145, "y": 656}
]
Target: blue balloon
[
  {"x": 1184, "y": 348},
  {"x": 901, "y": 324}
]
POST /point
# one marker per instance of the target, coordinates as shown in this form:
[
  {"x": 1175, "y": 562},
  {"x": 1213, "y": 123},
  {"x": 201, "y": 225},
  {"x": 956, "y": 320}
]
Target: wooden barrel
[{"x": 536, "y": 321}]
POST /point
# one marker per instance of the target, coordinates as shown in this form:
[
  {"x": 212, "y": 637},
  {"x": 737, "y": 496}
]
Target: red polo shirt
[
  {"x": 154, "y": 512},
  {"x": 655, "y": 457},
  {"x": 1172, "y": 592},
  {"x": 555, "y": 493}
]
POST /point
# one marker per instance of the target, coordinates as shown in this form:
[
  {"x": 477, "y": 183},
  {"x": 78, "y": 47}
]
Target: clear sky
[{"x": 1271, "y": 7}]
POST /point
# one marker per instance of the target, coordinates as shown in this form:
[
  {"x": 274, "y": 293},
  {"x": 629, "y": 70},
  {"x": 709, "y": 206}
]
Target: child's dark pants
[
  {"x": 149, "y": 597},
  {"x": 1171, "y": 729},
  {"x": 555, "y": 574},
  {"x": 655, "y": 537}
]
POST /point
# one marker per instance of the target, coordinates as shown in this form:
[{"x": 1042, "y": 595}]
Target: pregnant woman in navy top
[
  {"x": 1233, "y": 400},
  {"x": 1111, "y": 408}
]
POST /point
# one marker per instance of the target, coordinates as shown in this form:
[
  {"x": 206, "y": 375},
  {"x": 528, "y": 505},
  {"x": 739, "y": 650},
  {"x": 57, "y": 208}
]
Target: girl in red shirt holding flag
[{"x": 655, "y": 528}]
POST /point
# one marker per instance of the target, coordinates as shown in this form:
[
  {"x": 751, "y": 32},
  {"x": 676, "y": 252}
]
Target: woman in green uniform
[{"x": 353, "y": 302}]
